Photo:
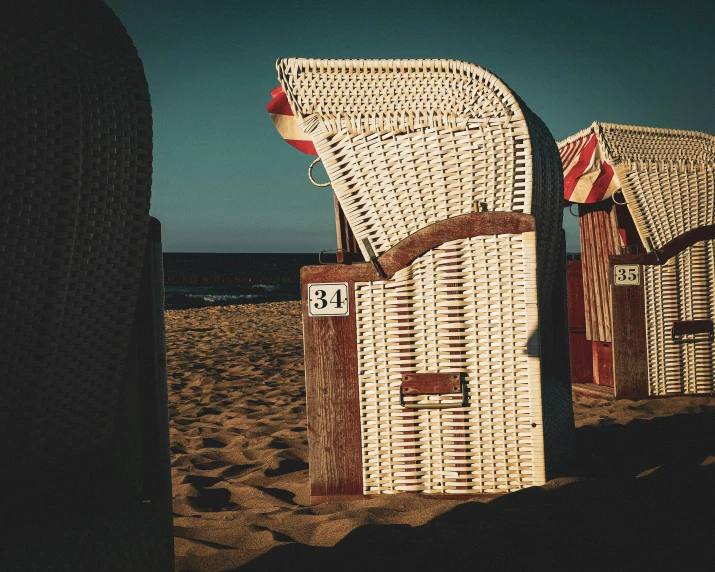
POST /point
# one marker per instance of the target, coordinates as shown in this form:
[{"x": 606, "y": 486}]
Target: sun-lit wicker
[
  {"x": 407, "y": 143},
  {"x": 668, "y": 180}
]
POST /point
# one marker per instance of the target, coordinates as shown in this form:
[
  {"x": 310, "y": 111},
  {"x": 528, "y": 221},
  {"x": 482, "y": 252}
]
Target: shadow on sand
[{"x": 632, "y": 497}]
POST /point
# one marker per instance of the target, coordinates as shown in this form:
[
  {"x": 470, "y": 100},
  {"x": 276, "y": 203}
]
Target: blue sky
[{"x": 224, "y": 181}]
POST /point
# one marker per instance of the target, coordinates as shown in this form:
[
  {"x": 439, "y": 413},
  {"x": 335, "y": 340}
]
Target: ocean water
[{"x": 195, "y": 280}]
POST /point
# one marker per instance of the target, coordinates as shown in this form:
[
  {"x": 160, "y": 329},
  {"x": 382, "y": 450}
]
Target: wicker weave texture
[
  {"x": 680, "y": 290},
  {"x": 667, "y": 176},
  {"x": 470, "y": 307},
  {"x": 668, "y": 180},
  {"x": 407, "y": 143},
  {"x": 75, "y": 176}
]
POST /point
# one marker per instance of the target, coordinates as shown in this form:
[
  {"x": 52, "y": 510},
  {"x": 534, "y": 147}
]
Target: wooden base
[
  {"x": 602, "y": 392},
  {"x": 315, "y": 500},
  {"x": 593, "y": 391},
  {"x": 602, "y": 356}
]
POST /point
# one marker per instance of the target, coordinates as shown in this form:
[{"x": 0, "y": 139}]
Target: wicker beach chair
[
  {"x": 83, "y": 400},
  {"x": 443, "y": 375},
  {"x": 644, "y": 189}
]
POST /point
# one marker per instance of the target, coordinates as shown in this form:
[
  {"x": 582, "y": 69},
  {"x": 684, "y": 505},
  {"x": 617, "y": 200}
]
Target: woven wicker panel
[
  {"x": 667, "y": 175},
  {"x": 682, "y": 289},
  {"x": 410, "y": 142},
  {"x": 468, "y": 306},
  {"x": 75, "y": 176}
]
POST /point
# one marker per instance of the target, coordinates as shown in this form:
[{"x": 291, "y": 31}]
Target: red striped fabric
[
  {"x": 284, "y": 120},
  {"x": 588, "y": 177}
]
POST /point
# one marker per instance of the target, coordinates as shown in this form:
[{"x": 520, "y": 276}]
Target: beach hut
[
  {"x": 436, "y": 366},
  {"x": 83, "y": 390},
  {"x": 646, "y": 207}
]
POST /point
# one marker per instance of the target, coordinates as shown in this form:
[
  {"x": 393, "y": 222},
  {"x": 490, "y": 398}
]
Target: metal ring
[
  {"x": 571, "y": 212},
  {"x": 613, "y": 197},
  {"x": 310, "y": 175}
]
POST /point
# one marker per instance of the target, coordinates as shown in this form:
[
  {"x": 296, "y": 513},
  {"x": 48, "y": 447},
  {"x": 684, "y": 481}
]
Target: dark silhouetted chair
[{"x": 85, "y": 449}]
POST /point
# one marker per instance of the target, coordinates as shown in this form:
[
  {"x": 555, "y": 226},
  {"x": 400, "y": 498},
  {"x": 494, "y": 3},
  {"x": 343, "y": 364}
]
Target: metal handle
[
  {"x": 310, "y": 175},
  {"x": 436, "y": 405},
  {"x": 693, "y": 328},
  {"x": 320, "y": 255},
  {"x": 373, "y": 258},
  {"x": 613, "y": 197}
]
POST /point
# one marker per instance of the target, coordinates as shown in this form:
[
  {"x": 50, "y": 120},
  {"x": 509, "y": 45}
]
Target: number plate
[
  {"x": 328, "y": 299},
  {"x": 626, "y": 274}
]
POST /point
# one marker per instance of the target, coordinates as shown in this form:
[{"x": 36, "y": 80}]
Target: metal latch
[
  {"x": 373, "y": 258},
  {"x": 432, "y": 384},
  {"x": 692, "y": 328}
]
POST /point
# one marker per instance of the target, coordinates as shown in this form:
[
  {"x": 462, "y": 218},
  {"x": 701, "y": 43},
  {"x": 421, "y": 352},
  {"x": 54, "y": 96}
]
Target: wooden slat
[
  {"x": 601, "y": 286},
  {"x": 579, "y": 347},
  {"x": 581, "y": 358},
  {"x": 576, "y": 308},
  {"x": 630, "y": 359},
  {"x": 332, "y": 393},
  {"x": 586, "y": 273},
  {"x": 348, "y": 250},
  {"x": 669, "y": 249},
  {"x": 593, "y": 391},
  {"x": 462, "y": 226},
  {"x": 483, "y": 497},
  {"x": 599, "y": 240},
  {"x": 405, "y": 252},
  {"x": 602, "y": 353}
]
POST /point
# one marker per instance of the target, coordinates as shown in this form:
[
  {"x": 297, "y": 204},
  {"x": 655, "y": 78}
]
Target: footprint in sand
[
  {"x": 280, "y": 494},
  {"x": 236, "y": 470},
  {"x": 211, "y": 500},
  {"x": 278, "y": 444},
  {"x": 286, "y": 466},
  {"x": 200, "y": 480},
  {"x": 277, "y": 536},
  {"x": 209, "y": 465},
  {"x": 211, "y": 443}
]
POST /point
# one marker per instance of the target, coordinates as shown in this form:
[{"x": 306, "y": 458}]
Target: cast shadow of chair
[{"x": 633, "y": 496}]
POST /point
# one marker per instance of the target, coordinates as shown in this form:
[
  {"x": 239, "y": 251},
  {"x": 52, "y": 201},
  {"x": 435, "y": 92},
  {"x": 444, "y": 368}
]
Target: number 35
[{"x": 626, "y": 275}]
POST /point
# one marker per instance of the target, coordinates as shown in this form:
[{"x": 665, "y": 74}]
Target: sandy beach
[{"x": 638, "y": 491}]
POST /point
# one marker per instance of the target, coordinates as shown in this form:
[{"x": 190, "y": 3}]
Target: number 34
[
  {"x": 328, "y": 299},
  {"x": 336, "y": 300}
]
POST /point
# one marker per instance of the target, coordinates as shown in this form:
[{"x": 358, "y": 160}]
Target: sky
[{"x": 225, "y": 181}]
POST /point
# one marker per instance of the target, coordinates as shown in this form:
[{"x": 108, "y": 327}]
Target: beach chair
[
  {"x": 436, "y": 367},
  {"x": 646, "y": 200},
  {"x": 83, "y": 396}
]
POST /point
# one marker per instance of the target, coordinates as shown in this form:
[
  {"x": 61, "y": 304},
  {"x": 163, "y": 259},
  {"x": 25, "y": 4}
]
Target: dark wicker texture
[
  {"x": 75, "y": 178},
  {"x": 82, "y": 384}
]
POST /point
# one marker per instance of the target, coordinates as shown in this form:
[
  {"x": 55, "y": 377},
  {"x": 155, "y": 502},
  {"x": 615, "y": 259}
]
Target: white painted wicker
[
  {"x": 407, "y": 143},
  {"x": 460, "y": 308},
  {"x": 410, "y": 142}
]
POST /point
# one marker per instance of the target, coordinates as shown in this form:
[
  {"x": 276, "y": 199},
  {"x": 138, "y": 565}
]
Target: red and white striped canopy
[
  {"x": 284, "y": 120},
  {"x": 588, "y": 177}
]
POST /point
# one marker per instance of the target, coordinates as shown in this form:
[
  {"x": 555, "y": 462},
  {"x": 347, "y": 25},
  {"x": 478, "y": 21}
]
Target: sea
[{"x": 196, "y": 280}]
